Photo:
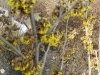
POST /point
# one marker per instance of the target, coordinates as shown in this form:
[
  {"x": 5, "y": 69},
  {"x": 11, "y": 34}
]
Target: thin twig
[
  {"x": 75, "y": 5},
  {"x": 61, "y": 16},
  {"x": 63, "y": 48},
  {"x": 86, "y": 28},
  {"x": 10, "y": 45},
  {"x": 34, "y": 30},
  {"x": 99, "y": 41},
  {"x": 54, "y": 25},
  {"x": 45, "y": 56},
  {"x": 10, "y": 34},
  {"x": 5, "y": 48},
  {"x": 89, "y": 65},
  {"x": 60, "y": 13},
  {"x": 10, "y": 16},
  {"x": 39, "y": 45},
  {"x": 99, "y": 52},
  {"x": 97, "y": 61}
]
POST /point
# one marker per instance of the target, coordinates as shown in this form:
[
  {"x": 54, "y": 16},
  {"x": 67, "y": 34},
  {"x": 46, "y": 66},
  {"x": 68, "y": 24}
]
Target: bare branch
[
  {"x": 10, "y": 45},
  {"x": 86, "y": 29},
  {"x": 45, "y": 56},
  {"x": 75, "y": 5},
  {"x": 61, "y": 16},
  {"x": 99, "y": 52},
  {"x": 34, "y": 29},
  {"x": 99, "y": 41},
  {"x": 63, "y": 48}
]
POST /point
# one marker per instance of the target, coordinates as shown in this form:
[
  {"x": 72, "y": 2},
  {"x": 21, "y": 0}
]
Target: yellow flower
[
  {"x": 15, "y": 43},
  {"x": 65, "y": 17},
  {"x": 72, "y": 51},
  {"x": 33, "y": 1},
  {"x": 1, "y": 42},
  {"x": 92, "y": 1},
  {"x": 24, "y": 6},
  {"x": 43, "y": 31},
  {"x": 32, "y": 71},
  {"x": 17, "y": 68},
  {"x": 11, "y": 3},
  {"x": 70, "y": 36},
  {"x": 31, "y": 6},
  {"x": 27, "y": 65},
  {"x": 27, "y": 42},
  {"x": 22, "y": 1},
  {"x": 12, "y": 62},
  {"x": 91, "y": 16},
  {"x": 45, "y": 28},
  {"x": 53, "y": 39},
  {"x": 80, "y": 14},
  {"x": 26, "y": 11},
  {"x": 83, "y": 9},
  {"x": 28, "y": 73},
  {"x": 17, "y": 5},
  {"x": 85, "y": 22},
  {"x": 85, "y": 46},
  {"x": 66, "y": 56},
  {"x": 90, "y": 47},
  {"x": 27, "y": 56},
  {"x": 46, "y": 24},
  {"x": 44, "y": 38},
  {"x": 73, "y": 73},
  {"x": 22, "y": 39},
  {"x": 59, "y": 73},
  {"x": 46, "y": 16},
  {"x": 23, "y": 69}
]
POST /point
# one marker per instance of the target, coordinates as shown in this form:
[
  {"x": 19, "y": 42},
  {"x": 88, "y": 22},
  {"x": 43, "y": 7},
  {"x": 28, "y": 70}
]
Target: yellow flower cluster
[
  {"x": 88, "y": 21},
  {"x": 1, "y": 42},
  {"x": 25, "y": 41},
  {"x": 67, "y": 54},
  {"x": 46, "y": 16},
  {"x": 54, "y": 17},
  {"x": 26, "y": 66},
  {"x": 55, "y": 13},
  {"x": 66, "y": 17},
  {"x": 79, "y": 12},
  {"x": 92, "y": 1},
  {"x": 72, "y": 34},
  {"x": 56, "y": 71},
  {"x": 22, "y": 39},
  {"x": 59, "y": 73},
  {"x": 22, "y": 5},
  {"x": 90, "y": 28},
  {"x": 72, "y": 1},
  {"x": 87, "y": 40},
  {"x": 45, "y": 27},
  {"x": 53, "y": 39},
  {"x": 87, "y": 43},
  {"x": 20, "y": 65},
  {"x": 34, "y": 71},
  {"x": 74, "y": 73},
  {"x": 94, "y": 63}
]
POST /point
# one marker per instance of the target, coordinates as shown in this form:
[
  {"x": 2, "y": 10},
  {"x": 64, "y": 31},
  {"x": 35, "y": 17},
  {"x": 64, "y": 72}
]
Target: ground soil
[{"x": 78, "y": 61}]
